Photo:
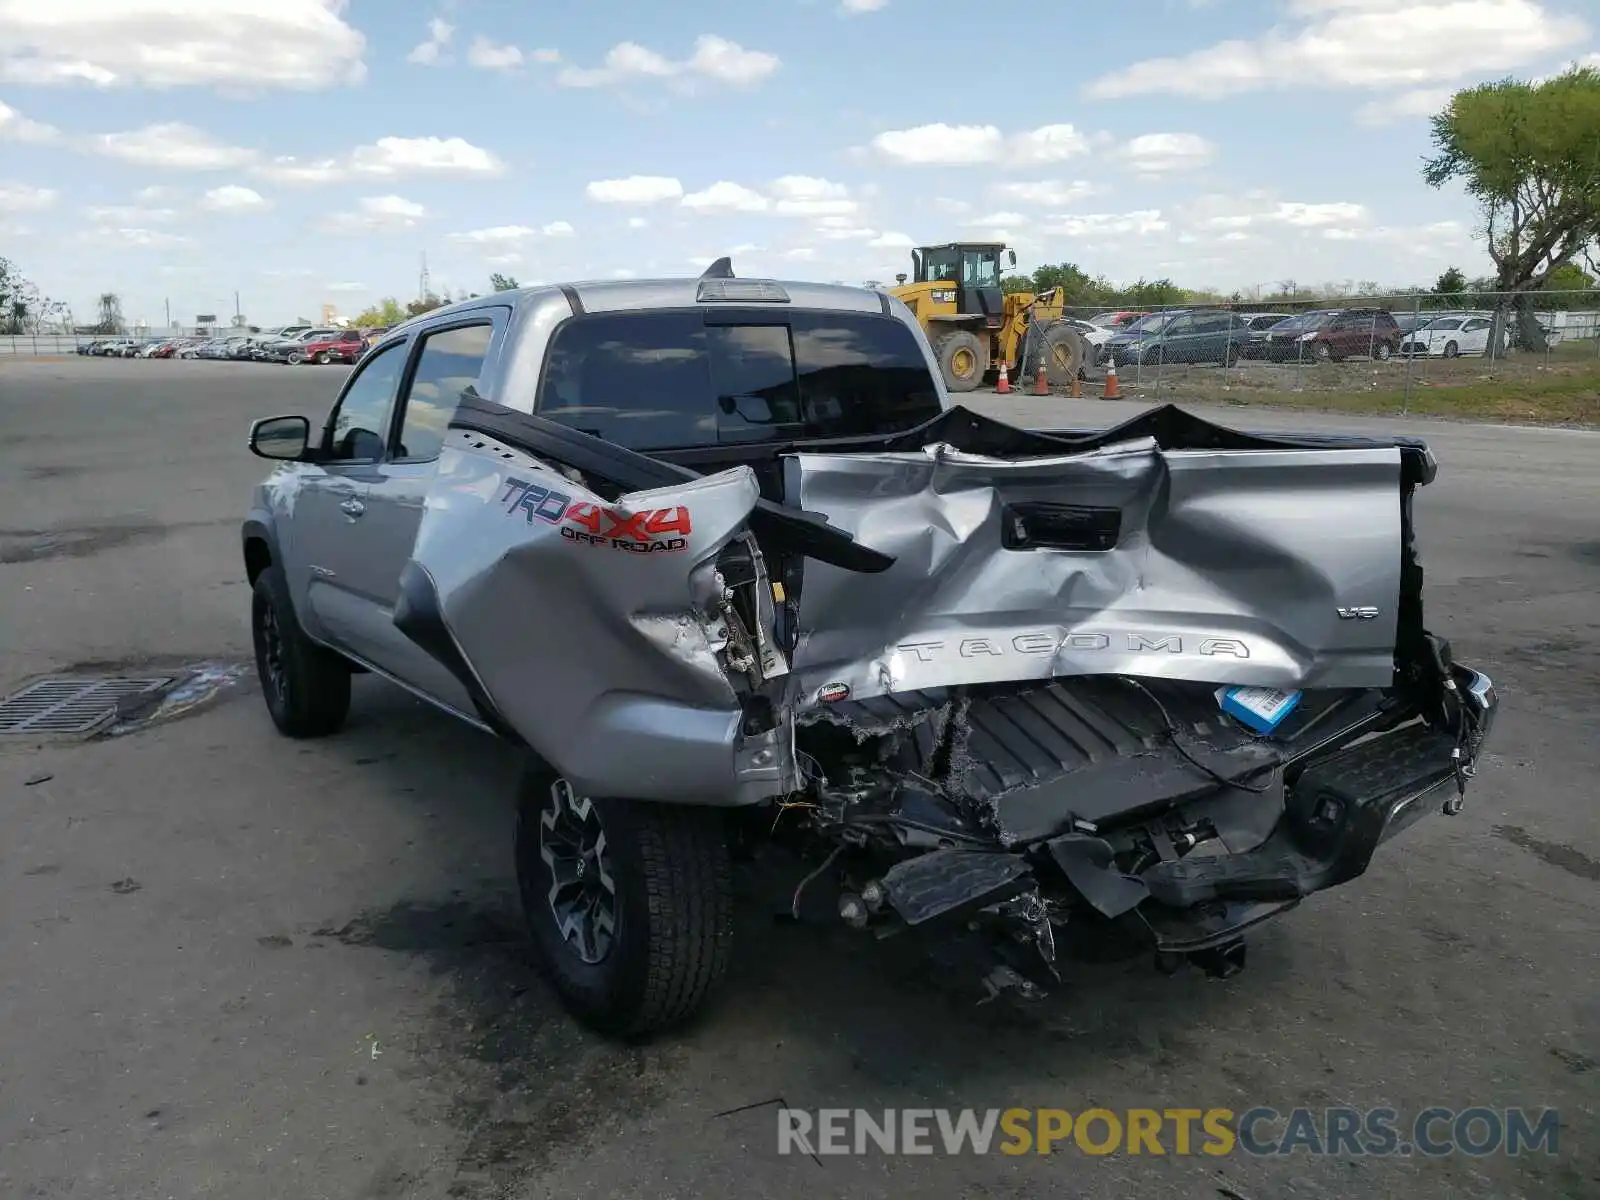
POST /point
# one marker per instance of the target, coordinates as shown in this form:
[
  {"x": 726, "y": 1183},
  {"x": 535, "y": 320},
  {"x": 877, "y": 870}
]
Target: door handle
[{"x": 352, "y": 508}]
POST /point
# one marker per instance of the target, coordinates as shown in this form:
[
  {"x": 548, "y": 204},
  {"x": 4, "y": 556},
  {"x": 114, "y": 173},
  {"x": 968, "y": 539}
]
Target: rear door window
[{"x": 657, "y": 381}]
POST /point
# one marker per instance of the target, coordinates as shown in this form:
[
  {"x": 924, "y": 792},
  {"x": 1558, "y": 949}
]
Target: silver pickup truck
[{"x": 719, "y": 555}]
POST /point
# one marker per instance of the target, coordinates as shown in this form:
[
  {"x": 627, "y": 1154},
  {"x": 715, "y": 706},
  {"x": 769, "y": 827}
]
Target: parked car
[
  {"x": 288, "y": 349},
  {"x": 586, "y": 519},
  {"x": 1333, "y": 334},
  {"x": 345, "y": 346},
  {"x": 1257, "y": 324},
  {"x": 1184, "y": 335},
  {"x": 1116, "y": 321},
  {"x": 1449, "y": 336},
  {"x": 1094, "y": 338}
]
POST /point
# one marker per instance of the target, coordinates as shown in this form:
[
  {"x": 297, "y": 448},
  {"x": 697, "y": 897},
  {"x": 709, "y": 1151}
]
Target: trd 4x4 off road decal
[{"x": 648, "y": 531}]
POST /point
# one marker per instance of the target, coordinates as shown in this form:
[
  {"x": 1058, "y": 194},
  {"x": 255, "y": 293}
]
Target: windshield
[
  {"x": 1108, "y": 320},
  {"x": 980, "y": 268},
  {"x": 1310, "y": 320},
  {"x": 1444, "y": 323},
  {"x": 1154, "y": 323}
]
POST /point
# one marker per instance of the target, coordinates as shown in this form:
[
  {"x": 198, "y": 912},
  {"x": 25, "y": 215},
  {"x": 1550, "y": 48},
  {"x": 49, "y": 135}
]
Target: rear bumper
[{"x": 1341, "y": 808}]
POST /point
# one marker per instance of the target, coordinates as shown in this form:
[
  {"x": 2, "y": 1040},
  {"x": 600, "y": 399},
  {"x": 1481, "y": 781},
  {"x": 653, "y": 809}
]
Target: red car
[{"x": 345, "y": 347}]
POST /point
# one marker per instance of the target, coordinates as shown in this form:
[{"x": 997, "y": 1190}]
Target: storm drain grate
[{"x": 73, "y": 703}]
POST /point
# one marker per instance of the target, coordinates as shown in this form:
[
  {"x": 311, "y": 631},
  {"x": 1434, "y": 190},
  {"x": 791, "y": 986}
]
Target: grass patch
[{"x": 1564, "y": 390}]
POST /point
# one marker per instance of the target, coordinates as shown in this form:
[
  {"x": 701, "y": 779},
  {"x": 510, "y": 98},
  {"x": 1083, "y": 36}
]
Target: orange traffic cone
[
  {"x": 1041, "y": 381},
  {"x": 1113, "y": 390},
  {"x": 1077, "y": 388},
  {"x": 1003, "y": 387}
]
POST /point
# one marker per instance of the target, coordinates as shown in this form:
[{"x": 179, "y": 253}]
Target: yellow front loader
[{"x": 974, "y": 325}]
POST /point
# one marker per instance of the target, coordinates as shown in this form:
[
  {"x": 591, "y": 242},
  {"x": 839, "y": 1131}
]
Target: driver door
[{"x": 330, "y": 510}]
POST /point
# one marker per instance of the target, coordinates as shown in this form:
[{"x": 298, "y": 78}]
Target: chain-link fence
[{"x": 1480, "y": 353}]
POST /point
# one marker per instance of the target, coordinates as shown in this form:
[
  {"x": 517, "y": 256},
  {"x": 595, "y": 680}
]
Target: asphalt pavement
[{"x": 237, "y": 966}]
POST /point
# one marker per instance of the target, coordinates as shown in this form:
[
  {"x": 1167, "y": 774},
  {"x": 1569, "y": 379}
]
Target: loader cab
[{"x": 974, "y": 268}]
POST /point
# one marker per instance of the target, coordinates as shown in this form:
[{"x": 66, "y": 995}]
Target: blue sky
[{"x": 304, "y": 152}]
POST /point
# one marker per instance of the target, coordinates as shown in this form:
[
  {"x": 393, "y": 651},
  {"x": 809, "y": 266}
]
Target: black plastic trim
[
  {"x": 417, "y": 615},
  {"x": 784, "y": 529},
  {"x": 571, "y": 293}
]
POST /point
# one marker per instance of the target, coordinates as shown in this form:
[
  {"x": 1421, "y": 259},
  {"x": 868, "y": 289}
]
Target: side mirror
[
  {"x": 281, "y": 438},
  {"x": 1011, "y": 260}
]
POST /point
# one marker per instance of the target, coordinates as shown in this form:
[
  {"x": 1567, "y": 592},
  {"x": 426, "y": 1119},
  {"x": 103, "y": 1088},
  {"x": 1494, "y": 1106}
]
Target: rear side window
[
  {"x": 654, "y": 381},
  {"x": 450, "y": 362}
]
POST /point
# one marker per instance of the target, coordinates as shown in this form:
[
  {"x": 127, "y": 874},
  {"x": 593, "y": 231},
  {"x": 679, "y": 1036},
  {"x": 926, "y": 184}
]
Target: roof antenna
[{"x": 721, "y": 269}]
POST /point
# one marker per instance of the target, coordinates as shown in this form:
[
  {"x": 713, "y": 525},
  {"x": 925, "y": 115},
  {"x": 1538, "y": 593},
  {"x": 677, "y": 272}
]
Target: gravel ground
[{"x": 241, "y": 967}]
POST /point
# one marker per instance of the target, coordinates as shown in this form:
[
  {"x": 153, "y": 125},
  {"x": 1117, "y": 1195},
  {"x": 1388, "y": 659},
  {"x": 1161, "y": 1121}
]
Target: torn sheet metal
[
  {"x": 1269, "y": 568},
  {"x": 594, "y": 626}
]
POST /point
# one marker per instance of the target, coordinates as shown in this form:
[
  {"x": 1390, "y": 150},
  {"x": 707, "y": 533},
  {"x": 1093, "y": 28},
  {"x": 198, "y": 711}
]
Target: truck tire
[
  {"x": 961, "y": 360},
  {"x": 638, "y": 934},
  {"x": 1063, "y": 350},
  {"x": 306, "y": 687},
  {"x": 322, "y": 358}
]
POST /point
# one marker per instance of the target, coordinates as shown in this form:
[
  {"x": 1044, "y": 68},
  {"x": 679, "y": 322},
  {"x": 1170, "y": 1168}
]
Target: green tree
[
  {"x": 1451, "y": 283},
  {"x": 415, "y": 308},
  {"x": 503, "y": 283},
  {"x": 1569, "y": 277},
  {"x": 386, "y": 313},
  {"x": 1529, "y": 154}
]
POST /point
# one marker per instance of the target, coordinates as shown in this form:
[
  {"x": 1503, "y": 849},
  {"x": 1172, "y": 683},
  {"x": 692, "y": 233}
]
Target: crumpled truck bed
[{"x": 595, "y": 629}]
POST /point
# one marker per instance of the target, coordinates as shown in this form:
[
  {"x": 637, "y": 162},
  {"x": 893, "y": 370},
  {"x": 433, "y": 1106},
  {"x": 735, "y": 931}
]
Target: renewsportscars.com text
[{"x": 1338, "y": 1132}]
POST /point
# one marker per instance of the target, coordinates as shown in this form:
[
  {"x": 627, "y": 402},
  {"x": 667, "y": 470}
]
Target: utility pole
[
  {"x": 236, "y": 313},
  {"x": 168, "y": 304},
  {"x": 422, "y": 282}
]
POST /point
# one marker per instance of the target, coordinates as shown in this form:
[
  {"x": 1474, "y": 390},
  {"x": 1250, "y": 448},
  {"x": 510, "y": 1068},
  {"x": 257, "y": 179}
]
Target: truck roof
[{"x": 622, "y": 295}]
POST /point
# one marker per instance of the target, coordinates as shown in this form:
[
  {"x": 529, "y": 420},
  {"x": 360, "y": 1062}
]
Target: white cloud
[
  {"x": 231, "y": 197},
  {"x": 714, "y": 58},
  {"x": 377, "y": 214},
  {"x": 491, "y": 56},
  {"x": 291, "y": 170},
  {"x": 173, "y": 145},
  {"x": 638, "y": 223},
  {"x": 961, "y": 145},
  {"x": 345, "y": 287},
  {"x": 800, "y": 254},
  {"x": 1046, "y": 193},
  {"x": 809, "y": 196},
  {"x": 853, "y": 7},
  {"x": 1257, "y": 209},
  {"x": 1361, "y": 44},
  {"x": 17, "y": 128},
  {"x": 1168, "y": 153},
  {"x": 128, "y": 214},
  {"x": 227, "y": 44},
  {"x": 505, "y": 238},
  {"x": 1047, "y": 144},
  {"x": 1417, "y": 103},
  {"x": 999, "y": 220},
  {"x": 1101, "y": 225},
  {"x": 940, "y": 144},
  {"x": 724, "y": 197},
  {"x": 946, "y": 204},
  {"x": 149, "y": 239},
  {"x": 546, "y": 56},
  {"x": 427, "y": 53},
  {"x": 635, "y": 189},
  {"x": 389, "y": 158},
  {"x": 891, "y": 241},
  {"x": 25, "y": 197},
  {"x": 154, "y": 194}
]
